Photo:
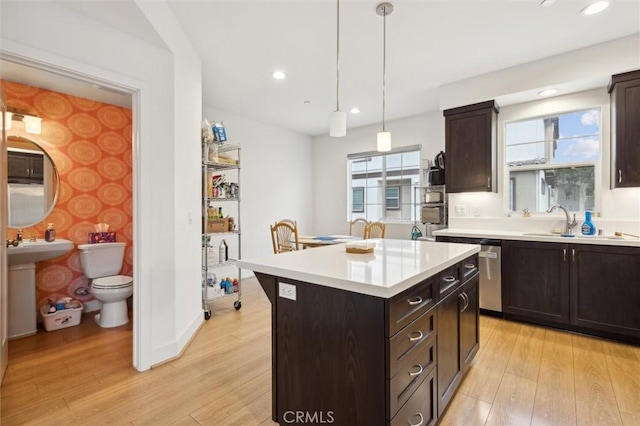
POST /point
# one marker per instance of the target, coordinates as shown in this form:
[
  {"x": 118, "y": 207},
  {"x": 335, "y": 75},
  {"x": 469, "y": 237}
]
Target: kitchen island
[{"x": 370, "y": 339}]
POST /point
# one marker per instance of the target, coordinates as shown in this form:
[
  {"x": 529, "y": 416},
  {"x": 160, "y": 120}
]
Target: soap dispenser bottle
[
  {"x": 588, "y": 228},
  {"x": 50, "y": 233}
]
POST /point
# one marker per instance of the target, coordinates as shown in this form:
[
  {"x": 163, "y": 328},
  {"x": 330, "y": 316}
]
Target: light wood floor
[{"x": 522, "y": 375}]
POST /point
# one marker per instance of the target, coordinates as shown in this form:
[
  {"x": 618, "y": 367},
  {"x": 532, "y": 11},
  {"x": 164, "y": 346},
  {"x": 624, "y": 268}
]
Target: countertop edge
[
  {"x": 519, "y": 236},
  {"x": 358, "y": 287}
]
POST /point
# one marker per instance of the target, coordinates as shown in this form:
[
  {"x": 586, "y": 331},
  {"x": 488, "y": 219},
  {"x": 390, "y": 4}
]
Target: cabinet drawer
[
  {"x": 420, "y": 409},
  {"x": 469, "y": 267},
  {"x": 448, "y": 280},
  {"x": 413, "y": 369},
  {"x": 409, "y": 305},
  {"x": 407, "y": 340}
]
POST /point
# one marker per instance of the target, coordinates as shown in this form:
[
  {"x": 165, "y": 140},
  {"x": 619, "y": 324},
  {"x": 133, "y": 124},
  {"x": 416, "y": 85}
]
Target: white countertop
[
  {"x": 394, "y": 266},
  {"x": 608, "y": 240}
]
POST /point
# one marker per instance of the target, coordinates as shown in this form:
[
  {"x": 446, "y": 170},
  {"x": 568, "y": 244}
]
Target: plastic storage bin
[{"x": 61, "y": 319}]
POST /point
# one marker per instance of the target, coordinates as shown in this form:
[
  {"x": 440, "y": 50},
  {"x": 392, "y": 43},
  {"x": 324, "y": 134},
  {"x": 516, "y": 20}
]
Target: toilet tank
[{"x": 101, "y": 260}]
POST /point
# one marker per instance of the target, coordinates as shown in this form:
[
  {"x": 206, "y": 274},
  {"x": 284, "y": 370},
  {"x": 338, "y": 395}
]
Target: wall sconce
[{"x": 32, "y": 123}]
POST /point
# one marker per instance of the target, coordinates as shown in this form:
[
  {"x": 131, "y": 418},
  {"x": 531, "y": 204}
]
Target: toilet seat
[{"x": 112, "y": 283}]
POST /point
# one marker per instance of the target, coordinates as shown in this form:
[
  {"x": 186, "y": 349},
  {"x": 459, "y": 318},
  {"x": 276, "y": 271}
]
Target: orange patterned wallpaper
[{"x": 90, "y": 143}]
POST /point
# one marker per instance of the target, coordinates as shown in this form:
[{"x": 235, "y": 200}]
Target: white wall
[
  {"x": 330, "y": 167},
  {"x": 620, "y": 208},
  {"x": 52, "y": 35},
  {"x": 275, "y": 181},
  {"x": 589, "y": 67},
  {"x": 184, "y": 171}
]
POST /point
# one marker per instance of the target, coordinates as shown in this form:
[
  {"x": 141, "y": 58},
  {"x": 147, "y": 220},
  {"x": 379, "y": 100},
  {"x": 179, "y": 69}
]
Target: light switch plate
[{"x": 287, "y": 291}]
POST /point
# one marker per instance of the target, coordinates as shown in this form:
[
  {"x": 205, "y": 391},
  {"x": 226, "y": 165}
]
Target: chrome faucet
[{"x": 570, "y": 223}]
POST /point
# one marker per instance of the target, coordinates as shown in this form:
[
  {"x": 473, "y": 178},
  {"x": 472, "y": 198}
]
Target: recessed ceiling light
[
  {"x": 279, "y": 75},
  {"x": 547, "y": 3},
  {"x": 355, "y": 111},
  {"x": 548, "y": 92},
  {"x": 595, "y": 7}
]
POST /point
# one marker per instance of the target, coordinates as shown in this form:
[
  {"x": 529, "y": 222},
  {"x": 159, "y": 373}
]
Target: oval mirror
[{"x": 33, "y": 182}]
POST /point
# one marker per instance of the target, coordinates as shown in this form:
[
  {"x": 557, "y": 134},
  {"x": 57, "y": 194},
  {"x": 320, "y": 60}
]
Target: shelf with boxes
[{"x": 221, "y": 243}]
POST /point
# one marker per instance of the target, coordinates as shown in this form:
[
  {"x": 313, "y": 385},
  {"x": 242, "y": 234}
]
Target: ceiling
[{"x": 429, "y": 43}]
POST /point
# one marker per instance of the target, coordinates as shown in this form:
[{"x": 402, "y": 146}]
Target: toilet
[{"x": 101, "y": 263}]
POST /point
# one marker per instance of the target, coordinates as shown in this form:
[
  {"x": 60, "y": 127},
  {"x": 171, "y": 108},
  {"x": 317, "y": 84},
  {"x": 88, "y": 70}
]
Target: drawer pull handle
[
  {"x": 415, "y": 335},
  {"x": 470, "y": 266},
  {"x": 420, "y": 422},
  {"x": 449, "y": 279},
  {"x": 415, "y": 300},
  {"x": 416, "y": 373}
]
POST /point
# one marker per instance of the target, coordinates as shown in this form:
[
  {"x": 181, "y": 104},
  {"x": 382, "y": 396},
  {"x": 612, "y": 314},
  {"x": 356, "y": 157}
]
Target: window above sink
[{"x": 552, "y": 159}]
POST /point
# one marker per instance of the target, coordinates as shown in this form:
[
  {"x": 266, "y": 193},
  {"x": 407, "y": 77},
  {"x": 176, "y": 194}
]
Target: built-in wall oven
[{"x": 490, "y": 266}]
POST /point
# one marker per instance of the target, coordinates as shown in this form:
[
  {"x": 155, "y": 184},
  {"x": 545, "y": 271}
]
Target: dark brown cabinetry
[
  {"x": 23, "y": 167},
  {"x": 535, "y": 280},
  {"x": 625, "y": 129},
  {"x": 366, "y": 360},
  {"x": 587, "y": 288},
  {"x": 470, "y": 140},
  {"x": 458, "y": 335},
  {"x": 605, "y": 288}
]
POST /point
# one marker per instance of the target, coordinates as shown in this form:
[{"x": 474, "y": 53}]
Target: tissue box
[
  {"x": 61, "y": 319},
  {"x": 102, "y": 237}
]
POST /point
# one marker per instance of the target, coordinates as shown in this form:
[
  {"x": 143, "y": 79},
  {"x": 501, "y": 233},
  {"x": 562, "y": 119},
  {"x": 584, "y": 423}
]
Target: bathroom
[{"x": 90, "y": 145}]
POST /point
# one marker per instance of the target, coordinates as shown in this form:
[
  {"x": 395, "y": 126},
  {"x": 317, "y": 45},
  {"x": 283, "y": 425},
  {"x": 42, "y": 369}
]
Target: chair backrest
[
  {"x": 357, "y": 227},
  {"x": 284, "y": 237},
  {"x": 374, "y": 230},
  {"x": 289, "y": 221}
]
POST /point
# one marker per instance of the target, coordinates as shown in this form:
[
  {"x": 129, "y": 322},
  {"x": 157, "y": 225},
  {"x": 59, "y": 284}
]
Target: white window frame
[
  {"x": 370, "y": 154},
  {"x": 597, "y": 164}
]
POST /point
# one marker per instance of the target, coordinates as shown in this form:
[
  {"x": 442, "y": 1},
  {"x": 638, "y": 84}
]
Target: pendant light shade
[
  {"x": 384, "y": 137},
  {"x": 338, "y": 125},
  {"x": 338, "y": 122},
  {"x": 384, "y": 141}
]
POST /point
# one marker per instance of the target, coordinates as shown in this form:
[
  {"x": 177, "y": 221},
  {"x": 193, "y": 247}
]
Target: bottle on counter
[
  {"x": 50, "y": 233},
  {"x": 588, "y": 228}
]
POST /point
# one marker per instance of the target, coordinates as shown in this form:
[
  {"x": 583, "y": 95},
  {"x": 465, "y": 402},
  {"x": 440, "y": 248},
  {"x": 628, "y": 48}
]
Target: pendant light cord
[
  {"x": 384, "y": 63},
  {"x": 338, "y": 58}
]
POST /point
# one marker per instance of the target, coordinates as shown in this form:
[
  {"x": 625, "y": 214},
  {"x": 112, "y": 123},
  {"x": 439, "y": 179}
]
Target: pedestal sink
[{"x": 22, "y": 282}]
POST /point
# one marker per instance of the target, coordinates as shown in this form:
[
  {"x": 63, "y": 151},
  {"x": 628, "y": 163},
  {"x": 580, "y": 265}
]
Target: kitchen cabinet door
[
  {"x": 469, "y": 325},
  {"x": 470, "y": 140},
  {"x": 605, "y": 288},
  {"x": 535, "y": 281},
  {"x": 449, "y": 367},
  {"x": 625, "y": 129}
]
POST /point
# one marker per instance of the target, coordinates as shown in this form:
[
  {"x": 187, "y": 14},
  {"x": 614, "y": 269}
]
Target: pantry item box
[
  {"x": 62, "y": 318},
  {"x": 218, "y": 225}
]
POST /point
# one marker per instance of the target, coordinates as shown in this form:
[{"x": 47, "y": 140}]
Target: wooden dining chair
[
  {"x": 374, "y": 230},
  {"x": 357, "y": 227},
  {"x": 284, "y": 237}
]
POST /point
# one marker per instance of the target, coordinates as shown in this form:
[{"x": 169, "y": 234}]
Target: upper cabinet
[
  {"x": 625, "y": 129},
  {"x": 470, "y": 140}
]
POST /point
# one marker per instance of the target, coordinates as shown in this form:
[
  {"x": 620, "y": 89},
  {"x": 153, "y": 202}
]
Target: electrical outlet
[
  {"x": 461, "y": 210},
  {"x": 287, "y": 291},
  {"x": 476, "y": 211}
]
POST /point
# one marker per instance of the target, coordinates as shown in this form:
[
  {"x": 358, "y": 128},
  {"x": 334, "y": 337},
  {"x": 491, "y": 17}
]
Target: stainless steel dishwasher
[{"x": 490, "y": 266}]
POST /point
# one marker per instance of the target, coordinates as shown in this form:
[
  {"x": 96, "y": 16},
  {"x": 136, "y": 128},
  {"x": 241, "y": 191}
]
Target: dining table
[{"x": 310, "y": 241}]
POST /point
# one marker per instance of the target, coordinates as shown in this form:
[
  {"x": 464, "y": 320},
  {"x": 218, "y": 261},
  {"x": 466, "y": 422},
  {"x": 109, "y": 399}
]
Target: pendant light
[
  {"x": 338, "y": 122},
  {"x": 384, "y": 137}
]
